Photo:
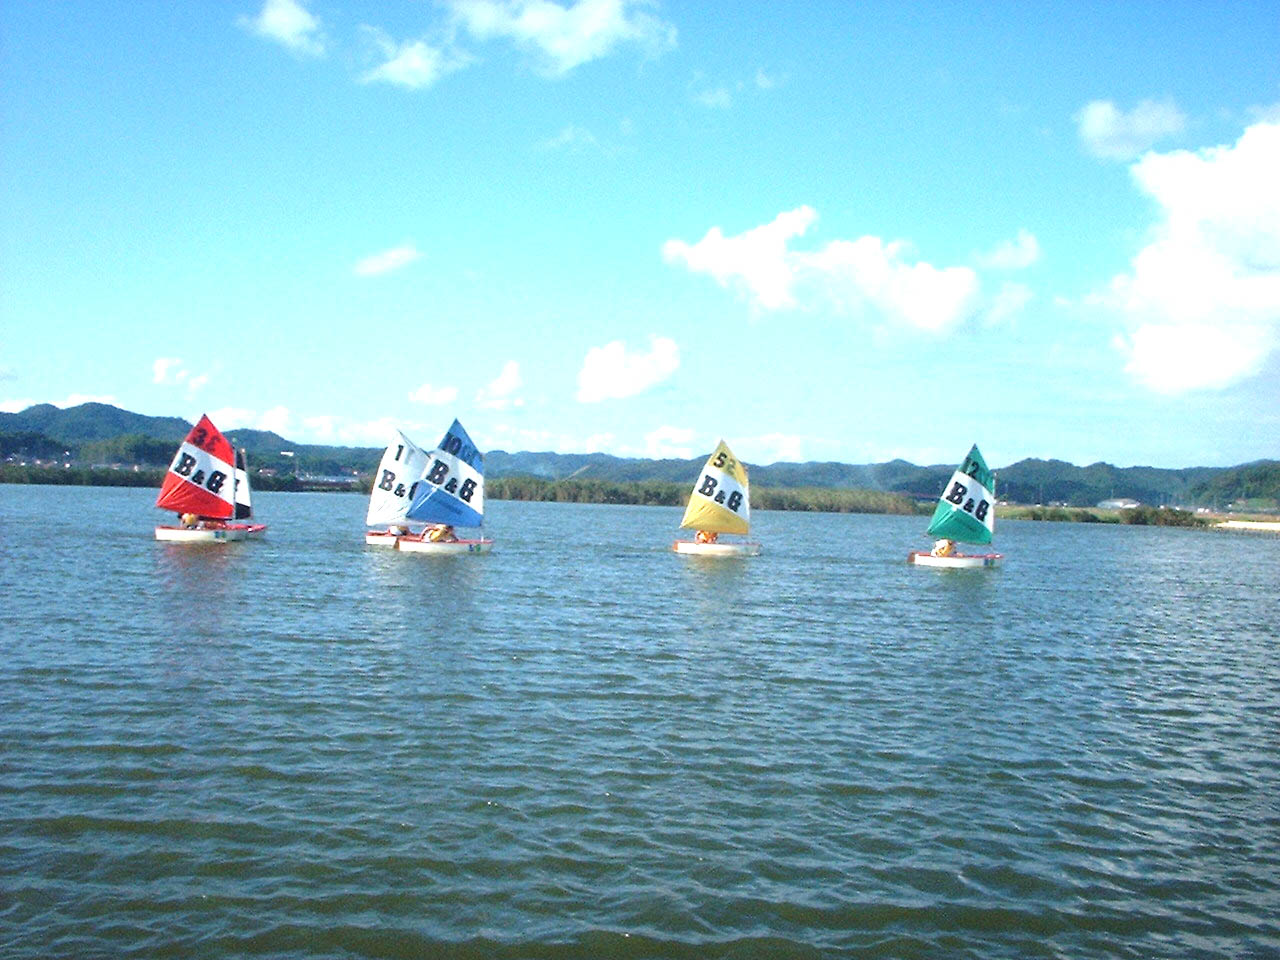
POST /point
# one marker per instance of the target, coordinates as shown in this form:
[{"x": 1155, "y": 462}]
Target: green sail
[{"x": 966, "y": 509}]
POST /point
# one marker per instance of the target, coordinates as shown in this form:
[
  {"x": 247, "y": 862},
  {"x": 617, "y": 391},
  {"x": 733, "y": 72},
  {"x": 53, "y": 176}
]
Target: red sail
[{"x": 201, "y": 478}]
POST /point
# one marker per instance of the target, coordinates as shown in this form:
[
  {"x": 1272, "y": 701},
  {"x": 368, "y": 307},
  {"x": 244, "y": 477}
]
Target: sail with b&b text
[
  {"x": 403, "y": 463},
  {"x": 720, "y": 502},
  {"x": 966, "y": 510},
  {"x": 201, "y": 478},
  {"x": 451, "y": 490}
]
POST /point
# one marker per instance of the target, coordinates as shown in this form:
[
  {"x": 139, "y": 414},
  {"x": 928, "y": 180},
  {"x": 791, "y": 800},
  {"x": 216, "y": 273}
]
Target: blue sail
[{"x": 452, "y": 488}]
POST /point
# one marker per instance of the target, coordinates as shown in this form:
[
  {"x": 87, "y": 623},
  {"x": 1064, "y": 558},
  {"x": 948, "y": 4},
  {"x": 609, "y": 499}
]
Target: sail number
[
  {"x": 956, "y": 496},
  {"x": 439, "y": 476},
  {"x": 708, "y": 489},
  {"x": 454, "y": 445},
  {"x": 200, "y": 438},
  {"x": 184, "y": 467}
]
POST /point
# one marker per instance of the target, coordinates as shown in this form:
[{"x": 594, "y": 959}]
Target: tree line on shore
[
  {"x": 646, "y": 493},
  {"x": 101, "y": 435}
]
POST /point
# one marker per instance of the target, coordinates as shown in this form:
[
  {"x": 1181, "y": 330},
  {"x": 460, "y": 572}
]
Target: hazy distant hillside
[
  {"x": 99, "y": 433},
  {"x": 1249, "y": 483},
  {"x": 91, "y": 421},
  {"x": 1054, "y": 481}
]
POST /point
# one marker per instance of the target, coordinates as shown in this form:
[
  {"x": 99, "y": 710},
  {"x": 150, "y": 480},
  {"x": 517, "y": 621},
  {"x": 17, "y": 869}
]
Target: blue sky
[{"x": 828, "y": 231}]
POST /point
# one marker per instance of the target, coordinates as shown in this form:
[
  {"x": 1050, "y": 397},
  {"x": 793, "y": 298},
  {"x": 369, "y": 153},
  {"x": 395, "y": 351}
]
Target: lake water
[{"x": 583, "y": 745}]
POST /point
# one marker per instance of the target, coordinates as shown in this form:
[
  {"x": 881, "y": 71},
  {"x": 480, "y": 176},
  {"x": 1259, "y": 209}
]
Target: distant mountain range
[{"x": 97, "y": 433}]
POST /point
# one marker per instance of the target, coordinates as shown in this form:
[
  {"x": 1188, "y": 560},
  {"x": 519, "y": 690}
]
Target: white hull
[
  {"x": 957, "y": 561},
  {"x": 380, "y": 538},
  {"x": 238, "y": 531},
  {"x": 413, "y": 544},
  {"x": 716, "y": 549}
]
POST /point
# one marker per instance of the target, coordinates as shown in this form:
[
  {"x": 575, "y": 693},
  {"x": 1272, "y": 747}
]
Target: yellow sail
[{"x": 720, "y": 502}]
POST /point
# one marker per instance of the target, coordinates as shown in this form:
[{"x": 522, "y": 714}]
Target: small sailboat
[
  {"x": 207, "y": 485},
  {"x": 966, "y": 513},
  {"x": 720, "y": 503},
  {"x": 450, "y": 493},
  {"x": 402, "y": 464}
]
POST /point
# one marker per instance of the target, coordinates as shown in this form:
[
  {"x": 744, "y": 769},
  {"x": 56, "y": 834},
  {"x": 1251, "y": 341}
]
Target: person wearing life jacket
[
  {"x": 943, "y": 548},
  {"x": 706, "y": 536},
  {"x": 442, "y": 533},
  {"x": 188, "y": 520},
  {"x": 397, "y": 529}
]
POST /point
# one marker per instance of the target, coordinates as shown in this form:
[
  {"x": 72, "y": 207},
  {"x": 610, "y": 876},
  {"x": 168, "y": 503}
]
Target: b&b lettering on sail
[
  {"x": 720, "y": 501},
  {"x": 402, "y": 464},
  {"x": 201, "y": 477},
  {"x": 451, "y": 489},
  {"x": 964, "y": 511}
]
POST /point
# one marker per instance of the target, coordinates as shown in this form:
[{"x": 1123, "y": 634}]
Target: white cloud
[
  {"x": 15, "y": 406},
  {"x": 288, "y": 23},
  {"x": 565, "y": 37},
  {"x": 718, "y": 98},
  {"x": 413, "y": 64},
  {"x": 857, "y": 277},
  {"x": 386, "y": 261},
  {"x": 1202, "y": 298},
  {"x": 669, "y": 443},
  {"x": 771, "y": 448},
  {"x": 322, "y": 427},
  {"x": 163, "y": 366},
  {"x": 498, "y": 394},
  {"x": 868, "y": 275},
  {"x": 1175, "y": 358},
  {"x": 570, "y": 138},
  {"x": 78, "y": 398},
  {"x": 434, "y": 396},
  {"x": 1112, "y": 134},
  {"x": 276, "y": 419},
  {"x": 1267, "y": 113},
  {"x": 611, "y": 373},
  {"x": 507, "y": 437},
  {"x": 172, "y": 371},
  {"x": 1015, "y": 254},
  {"x": 766, "y": 82},
  {"x": 758, "y": 258},
  {"x": 364, "y": 433},
  {"x": 1009, "y": 302}
]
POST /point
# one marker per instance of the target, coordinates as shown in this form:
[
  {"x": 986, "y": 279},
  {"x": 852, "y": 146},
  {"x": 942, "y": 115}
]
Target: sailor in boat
[
  {"x": 397, "y": 529},
  {"x": 442, "y": 533},
  {"x": 706, "y": 536},
  {"x": 943, "y": 548},
  {"x": 188, "y": 520}
]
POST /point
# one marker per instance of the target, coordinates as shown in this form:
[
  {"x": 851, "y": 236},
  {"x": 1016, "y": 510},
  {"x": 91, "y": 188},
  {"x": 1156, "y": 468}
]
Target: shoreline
[{"x": 1249, "y": 526}]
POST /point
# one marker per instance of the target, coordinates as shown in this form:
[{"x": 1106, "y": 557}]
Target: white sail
[
  {"x": 403, "y": 464},
  {"x": 244, "y": 495}
]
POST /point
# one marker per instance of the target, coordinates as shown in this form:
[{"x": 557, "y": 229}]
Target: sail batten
[
  {"x": 966, "y": 510},
  {"x": 451, "y": 487},
  {"x": 720, "y": 502}
]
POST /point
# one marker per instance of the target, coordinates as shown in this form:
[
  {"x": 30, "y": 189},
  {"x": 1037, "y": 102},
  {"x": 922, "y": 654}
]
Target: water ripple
[{"x": 587, "y": 747}]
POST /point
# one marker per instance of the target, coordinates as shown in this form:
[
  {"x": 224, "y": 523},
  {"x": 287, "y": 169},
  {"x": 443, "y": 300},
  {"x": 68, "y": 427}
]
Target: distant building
[{"x": 1121, "y": 503}]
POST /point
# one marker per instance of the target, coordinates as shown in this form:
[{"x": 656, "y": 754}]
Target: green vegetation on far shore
[
  {"x": 1137, "y": 516},
  {"x": 810, "y": 499},
  {"x": 647, "y": 492}
]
